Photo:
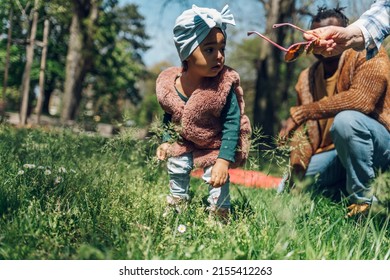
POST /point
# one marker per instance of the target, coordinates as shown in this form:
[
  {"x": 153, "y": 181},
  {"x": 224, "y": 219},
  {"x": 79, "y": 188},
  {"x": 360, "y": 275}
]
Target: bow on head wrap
[{"x": 193, "y": 26}]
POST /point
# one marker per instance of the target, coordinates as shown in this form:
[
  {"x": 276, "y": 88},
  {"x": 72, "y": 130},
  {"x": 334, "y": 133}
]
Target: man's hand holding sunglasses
[{"x": 333, "y": 40}]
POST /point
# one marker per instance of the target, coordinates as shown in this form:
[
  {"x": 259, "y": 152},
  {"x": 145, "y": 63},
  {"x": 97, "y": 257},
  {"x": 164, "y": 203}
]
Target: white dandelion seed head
[
  {"x": 29, "y": 165},
  {"x": 58, "y": 180},
  {"x": 47, "y": 172},
  {"x": 181, "y": 228},
  {"x": 62, "y": 169},
  {"x": 289, "y": 254},
  {"x": 20, "y": 172},
  {"x": 41, "y": 167}
]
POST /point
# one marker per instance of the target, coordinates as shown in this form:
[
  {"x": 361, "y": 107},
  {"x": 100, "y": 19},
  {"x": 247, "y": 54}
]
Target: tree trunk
[
  {"x": 48, "y": 91},
  {"x": 42, "y": 71},
  {"x": 27, "y": 69},
  {"x": 268, "y": 86},
  {"x": 5, "y": 81},
  {"x": 79, "y": 57},
  {"x": 74, "y": 64}
]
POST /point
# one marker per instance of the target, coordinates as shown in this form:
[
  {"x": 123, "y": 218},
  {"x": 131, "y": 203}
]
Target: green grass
[{"x": 88, "y": 197}]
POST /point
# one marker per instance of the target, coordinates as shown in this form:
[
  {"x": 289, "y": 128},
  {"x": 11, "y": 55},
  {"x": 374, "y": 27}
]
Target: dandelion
[
  {"x": 41, "y": 167},
  {"x": 20, "y": 172},
  {"x": 47, "y": 172},
  {"x": 29, "y": 166},
  {"x": 181, "y": 228},
  {"x": 289, "y": 254},
  {"x": 62, "y": 170},
  {"x": 58, "y": 180}
]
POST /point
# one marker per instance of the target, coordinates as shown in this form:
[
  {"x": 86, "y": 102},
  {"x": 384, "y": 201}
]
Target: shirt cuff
[
  {"x": 227, "y": 151},
  {"x": 370, "y": 45},
  {"x": 166, "y": 137}
]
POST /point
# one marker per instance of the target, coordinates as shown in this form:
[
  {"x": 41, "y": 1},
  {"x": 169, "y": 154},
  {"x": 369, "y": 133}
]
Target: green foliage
[
  {"x": 382, "y": 190},
  {"x": 118, "y": 66},
  {"x": 58, "y": 14},
  {"x": 118, "y": 43},
  {"x": 12, "y": 95},
  {"x": 148, "y": 110},
  {"x": 66, "y": 196}
]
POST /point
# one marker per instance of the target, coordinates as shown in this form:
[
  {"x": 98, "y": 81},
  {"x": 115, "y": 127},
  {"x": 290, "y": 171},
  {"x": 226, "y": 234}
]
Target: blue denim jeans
[
  {"x": 325, "y": 167},
  {"x": 362, "y": 147},
  {"x": 179, "y": 169}
]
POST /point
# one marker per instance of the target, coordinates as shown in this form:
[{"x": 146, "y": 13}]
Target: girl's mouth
[{"x": 216, "y": 67}]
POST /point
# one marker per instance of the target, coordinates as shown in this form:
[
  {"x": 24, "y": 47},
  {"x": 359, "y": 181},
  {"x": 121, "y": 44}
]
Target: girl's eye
[{"x": 211, "y": 50}]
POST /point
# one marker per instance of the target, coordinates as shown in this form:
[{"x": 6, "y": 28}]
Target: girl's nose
[{"x": 220, "y": 55}]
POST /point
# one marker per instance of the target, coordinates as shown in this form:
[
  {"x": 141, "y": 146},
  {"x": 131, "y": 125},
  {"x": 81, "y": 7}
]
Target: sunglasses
[{"x": 293, "y": 51}]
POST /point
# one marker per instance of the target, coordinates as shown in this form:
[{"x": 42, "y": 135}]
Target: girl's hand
[
  {"x": 219, "y": 173},
  {"x": 162, "y": 151}
]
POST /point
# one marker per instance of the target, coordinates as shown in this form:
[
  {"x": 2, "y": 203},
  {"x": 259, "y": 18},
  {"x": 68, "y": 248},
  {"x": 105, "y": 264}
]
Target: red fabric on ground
[{"x": 248, "y": 178}]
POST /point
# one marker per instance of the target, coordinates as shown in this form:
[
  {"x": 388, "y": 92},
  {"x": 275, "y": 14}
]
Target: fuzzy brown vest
[{"x": 198, "y": 120}]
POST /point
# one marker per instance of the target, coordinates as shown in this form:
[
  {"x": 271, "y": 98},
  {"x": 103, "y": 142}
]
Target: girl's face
[{"x": 208, "y": 59}]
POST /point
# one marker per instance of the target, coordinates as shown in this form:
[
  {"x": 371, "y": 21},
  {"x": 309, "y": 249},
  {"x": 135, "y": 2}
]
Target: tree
[
  {"x": 110, "y": 39},
  {"x": 118, "y": 68},
  {"x": 56, "y": 12},
  {"x": 42, "y": 72},
  {"x": 59, "y": 15},
  {"x": 269, "y": 65},
  {"x": 14, "y": 25},
  {"x": 79, "y": 57},
  {"x": 25, "y": 88},
  {"x": 6, "y": 68}
]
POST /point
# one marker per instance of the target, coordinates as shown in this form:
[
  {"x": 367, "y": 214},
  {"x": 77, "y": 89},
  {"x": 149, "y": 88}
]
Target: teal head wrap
[{"x": 193, "y": 26}]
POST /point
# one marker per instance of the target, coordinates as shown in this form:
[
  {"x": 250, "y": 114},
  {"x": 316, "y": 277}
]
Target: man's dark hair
[{"x": 323, "y": 13}]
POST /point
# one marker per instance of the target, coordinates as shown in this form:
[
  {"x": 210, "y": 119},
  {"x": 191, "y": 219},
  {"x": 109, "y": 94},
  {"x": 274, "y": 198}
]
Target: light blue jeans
[
  {"x": 362, "y": 147},
  {"x": 179, "y": 169}
]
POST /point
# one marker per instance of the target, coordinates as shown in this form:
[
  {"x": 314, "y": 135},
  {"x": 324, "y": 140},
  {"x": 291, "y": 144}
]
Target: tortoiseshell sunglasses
[{"x": 293, "y": 51}]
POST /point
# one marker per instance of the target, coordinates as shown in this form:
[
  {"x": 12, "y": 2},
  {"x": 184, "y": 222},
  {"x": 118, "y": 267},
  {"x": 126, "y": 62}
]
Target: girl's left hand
[{"x": 219, "y": 173}]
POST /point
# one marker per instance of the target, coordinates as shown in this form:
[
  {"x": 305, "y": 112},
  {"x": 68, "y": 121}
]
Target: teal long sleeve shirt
[{"x": 230, "y": 118}]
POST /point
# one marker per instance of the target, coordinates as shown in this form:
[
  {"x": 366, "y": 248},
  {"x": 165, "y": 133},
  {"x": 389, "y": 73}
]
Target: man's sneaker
[{"x": 358, "y": 209}]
